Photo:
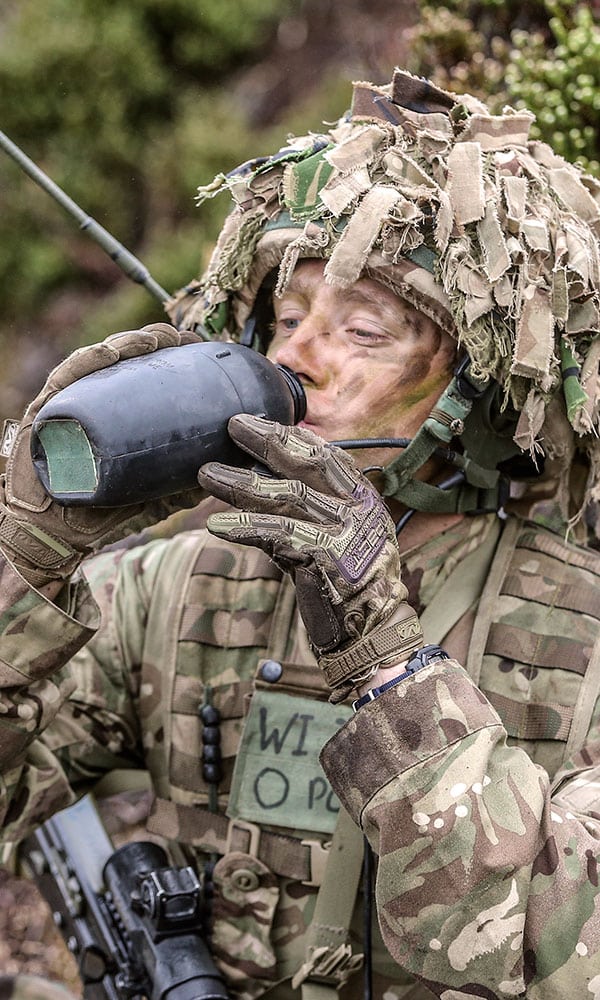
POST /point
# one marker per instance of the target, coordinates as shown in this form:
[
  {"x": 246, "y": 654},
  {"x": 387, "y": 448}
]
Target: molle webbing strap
[
  {"x": 572, "y": 597},
  {"x": 553, "y": 546},
  {"x": 571, "y": 579},
  {"x": 162, "y": 630},
  {"x": 283, "y": 613},
  {"x": 531, "y": 720},
  {"x": 583, "y": 598},
  {"x": 509, "y": 641},
  {"x": 215, "y": 833}
]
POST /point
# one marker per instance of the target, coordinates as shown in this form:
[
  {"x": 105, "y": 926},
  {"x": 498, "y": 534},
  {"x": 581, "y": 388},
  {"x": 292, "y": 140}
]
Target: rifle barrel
[{"x": 128, "y": 263}]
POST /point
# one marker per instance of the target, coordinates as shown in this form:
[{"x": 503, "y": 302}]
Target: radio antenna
[{"x": 132, "y": 267}]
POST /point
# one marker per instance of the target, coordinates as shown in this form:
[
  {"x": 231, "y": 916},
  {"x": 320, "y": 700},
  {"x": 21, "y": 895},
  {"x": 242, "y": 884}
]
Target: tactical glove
[
  {"x": 324, "y": 524},
  {"x": 47, "y": 541}
]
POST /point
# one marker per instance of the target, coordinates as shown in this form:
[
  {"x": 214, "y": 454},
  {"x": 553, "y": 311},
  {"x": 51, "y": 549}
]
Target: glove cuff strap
[{"x": 357, "y": 663}]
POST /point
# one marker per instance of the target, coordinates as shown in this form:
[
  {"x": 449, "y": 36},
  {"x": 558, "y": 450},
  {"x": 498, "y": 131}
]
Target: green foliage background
[
  {"x": 543, "y": 55},
  {"x": 129, "y": 106},
  {"x": 124, "y": 106}
]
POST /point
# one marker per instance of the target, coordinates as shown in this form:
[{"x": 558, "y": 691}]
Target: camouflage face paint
[{"x": 372, "y": 366}]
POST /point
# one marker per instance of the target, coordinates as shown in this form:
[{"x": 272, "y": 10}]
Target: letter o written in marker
[{"x": 271, "y": 788}]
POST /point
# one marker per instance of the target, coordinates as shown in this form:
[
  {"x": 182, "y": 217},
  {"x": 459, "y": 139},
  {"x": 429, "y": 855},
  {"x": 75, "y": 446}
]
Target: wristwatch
[{"x": 422, "y": 658}]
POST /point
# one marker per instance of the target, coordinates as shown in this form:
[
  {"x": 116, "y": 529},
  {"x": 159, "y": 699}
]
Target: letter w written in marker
[{"x": 272, "y": 735}]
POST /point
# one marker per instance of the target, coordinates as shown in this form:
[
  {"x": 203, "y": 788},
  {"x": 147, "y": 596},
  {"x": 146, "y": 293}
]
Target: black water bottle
[{"x": 142, "y": 428}]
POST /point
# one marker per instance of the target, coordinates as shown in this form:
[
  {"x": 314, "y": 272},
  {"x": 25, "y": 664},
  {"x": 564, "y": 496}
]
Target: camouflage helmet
[{"x": 492, "y": 235}]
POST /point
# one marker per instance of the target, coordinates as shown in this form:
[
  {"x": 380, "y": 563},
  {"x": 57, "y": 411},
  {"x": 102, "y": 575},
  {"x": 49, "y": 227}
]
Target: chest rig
[
  {"x": 535, "y": 645},
  {"x": 531, "y": 608},
  {"x": 235, "y": 638},
  {"x": 235, "y": 632}
]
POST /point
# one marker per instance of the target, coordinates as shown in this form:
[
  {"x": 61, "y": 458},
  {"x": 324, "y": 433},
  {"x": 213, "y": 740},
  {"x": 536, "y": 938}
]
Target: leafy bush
[
  {"x": 464, "y": 46},
  {"x": 123, "y": 105},
  {"x": 561, "y": 85},
  {"x": 543, "y": 55}
]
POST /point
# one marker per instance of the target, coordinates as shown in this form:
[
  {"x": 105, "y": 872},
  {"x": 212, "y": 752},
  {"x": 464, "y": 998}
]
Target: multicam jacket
[{"x": 475, "y": 786}]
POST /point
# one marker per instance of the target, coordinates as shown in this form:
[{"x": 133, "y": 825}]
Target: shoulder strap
[
  {"x": 329, "y": 958},
  {"x": 489, "y": 597},
  {"x": 460, "y": 590},
  {"x": 586, "y": 702}
]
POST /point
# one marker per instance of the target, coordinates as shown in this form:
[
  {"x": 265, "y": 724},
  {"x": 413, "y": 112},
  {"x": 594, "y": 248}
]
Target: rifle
[{"x": 132, "y": 921}]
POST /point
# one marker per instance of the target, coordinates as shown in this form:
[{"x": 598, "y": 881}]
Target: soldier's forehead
[{"x": 309, "y": 276}]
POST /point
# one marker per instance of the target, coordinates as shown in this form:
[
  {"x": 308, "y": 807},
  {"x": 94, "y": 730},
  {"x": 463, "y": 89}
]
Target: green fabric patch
[
  {"x": 281, "y": 221},
  {"x": 423, "y": 257},
  {"x": 291, "y": 155},
  {"x": 216, "y": 320},
  {"x": 575, "y": 397},
  {"x": 302, "y": 183},
  {"x": 277, "y": 777},
  {"x": 71, "y": 465}
]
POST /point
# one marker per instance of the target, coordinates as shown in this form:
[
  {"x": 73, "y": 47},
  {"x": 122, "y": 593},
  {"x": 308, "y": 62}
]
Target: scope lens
[{"x": 179, "y": 907}]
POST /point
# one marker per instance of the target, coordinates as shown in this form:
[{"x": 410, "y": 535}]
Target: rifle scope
[{"x": 161, "y": 908}]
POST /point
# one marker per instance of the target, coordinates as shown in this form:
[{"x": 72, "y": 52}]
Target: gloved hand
[
  {"x": 43, "y": 539},
  {"x": 326, "y": 525}
]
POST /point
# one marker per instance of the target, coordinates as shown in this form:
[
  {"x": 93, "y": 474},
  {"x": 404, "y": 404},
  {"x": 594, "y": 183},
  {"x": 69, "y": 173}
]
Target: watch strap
[{"x": 422, "y": 658}]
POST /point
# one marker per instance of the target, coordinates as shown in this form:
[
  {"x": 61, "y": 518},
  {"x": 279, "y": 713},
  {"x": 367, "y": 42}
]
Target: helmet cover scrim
[{"x": 492, "y": 235}]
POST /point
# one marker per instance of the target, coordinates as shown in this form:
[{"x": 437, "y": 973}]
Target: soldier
[{"x": 433, "y": 277}]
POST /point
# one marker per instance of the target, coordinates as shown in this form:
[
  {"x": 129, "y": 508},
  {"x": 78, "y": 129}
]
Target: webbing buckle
[
  {"x": 251, "y": 829},
  {"x": 318, "y": 861},
  {"x": 325, "y": 964}
]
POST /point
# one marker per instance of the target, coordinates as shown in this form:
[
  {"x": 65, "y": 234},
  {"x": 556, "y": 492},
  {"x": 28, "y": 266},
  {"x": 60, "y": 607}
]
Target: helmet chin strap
[{"x": 473, "y": 488}]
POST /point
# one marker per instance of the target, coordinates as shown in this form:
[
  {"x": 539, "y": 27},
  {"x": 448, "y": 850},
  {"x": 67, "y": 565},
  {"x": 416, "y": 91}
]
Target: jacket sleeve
[
  {"x": 67, "y": 711},
  {"x": 486, "y": 886}
]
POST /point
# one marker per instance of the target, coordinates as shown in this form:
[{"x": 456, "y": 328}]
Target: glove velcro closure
[
  {"x": 38, "y": 549},
  {"x": 360, "y": 660}
]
